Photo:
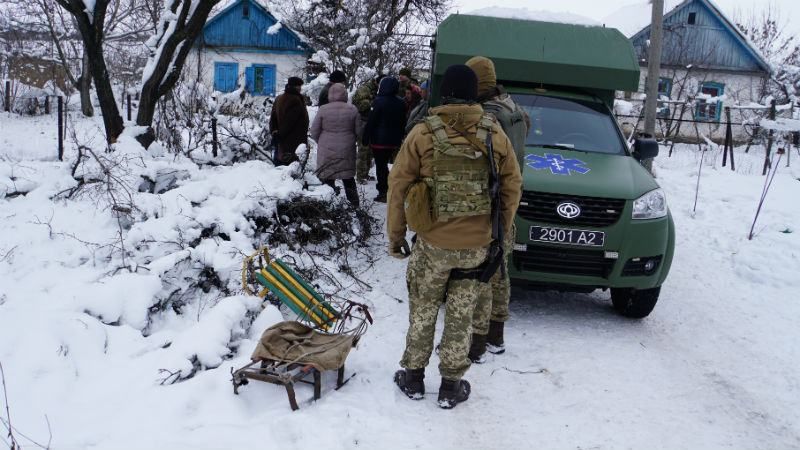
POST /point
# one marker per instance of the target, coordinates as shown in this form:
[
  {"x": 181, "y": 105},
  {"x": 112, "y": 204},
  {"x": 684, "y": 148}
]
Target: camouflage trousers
[
  {"x": 363, "y": 161},
  {"x": 428, "y": 287},
  {"x": 494, "y": 306}
]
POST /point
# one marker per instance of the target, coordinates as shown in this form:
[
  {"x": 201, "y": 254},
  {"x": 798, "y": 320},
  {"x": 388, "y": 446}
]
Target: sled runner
[{"x": 298, "y": 351}]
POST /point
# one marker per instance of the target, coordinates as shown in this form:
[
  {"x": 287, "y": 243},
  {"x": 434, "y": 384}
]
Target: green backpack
[{"x": 460, "y": 183}]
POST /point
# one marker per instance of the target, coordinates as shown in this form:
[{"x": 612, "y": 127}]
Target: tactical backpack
[{"x": 459, "y": 186}]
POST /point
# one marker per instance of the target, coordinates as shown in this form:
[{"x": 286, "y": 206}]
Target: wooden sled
[{"x": 265, "y": 276}]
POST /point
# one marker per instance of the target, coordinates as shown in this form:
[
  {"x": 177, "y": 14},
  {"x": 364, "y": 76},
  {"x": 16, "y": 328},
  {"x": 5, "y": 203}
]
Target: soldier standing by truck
[
  {"x": 362, "y": 100},
  {"x": 445, "y": 158},
  {"x": 491, "y": 313}
]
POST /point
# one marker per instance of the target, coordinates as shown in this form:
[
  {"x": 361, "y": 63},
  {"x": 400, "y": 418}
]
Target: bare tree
[
  {"x": 91, "y": 25},
  {"x": 767, "y": 30},
  {"x": 179, "y": 25},
  {"x": 354, "y": 34}
]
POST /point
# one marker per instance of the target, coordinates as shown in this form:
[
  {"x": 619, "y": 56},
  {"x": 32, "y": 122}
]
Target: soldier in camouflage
[
  {"x": 362, "y": 100},
  {"x": 492, "y": 312},
  {"x": 459, "y": 237}
]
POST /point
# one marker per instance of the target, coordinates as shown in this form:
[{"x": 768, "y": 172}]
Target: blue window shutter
[
  {"x": 249, "y": 79},
  {"x": 225, "y": 76},
  {"x": 269, "y": 80}
]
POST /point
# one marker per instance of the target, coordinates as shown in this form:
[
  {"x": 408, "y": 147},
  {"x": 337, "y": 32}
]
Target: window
[
  {"x": 664, "y": 90},
  {"x": 260, "y": 79},
  {"x": 692, "y": 18},
  {"x": 570, "y": 124},
  {"x": 245, "y": 9},
  {"x": 709, "y": 110}
]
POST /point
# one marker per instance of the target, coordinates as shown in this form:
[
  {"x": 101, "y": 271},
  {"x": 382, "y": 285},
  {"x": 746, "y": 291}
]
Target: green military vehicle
[{"x": 591, "y": 216}]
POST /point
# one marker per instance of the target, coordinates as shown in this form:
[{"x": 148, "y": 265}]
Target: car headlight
[{"x": 652, "y": 205}]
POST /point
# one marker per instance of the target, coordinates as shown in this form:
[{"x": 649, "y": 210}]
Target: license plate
[{"x": 567, "y": 236}]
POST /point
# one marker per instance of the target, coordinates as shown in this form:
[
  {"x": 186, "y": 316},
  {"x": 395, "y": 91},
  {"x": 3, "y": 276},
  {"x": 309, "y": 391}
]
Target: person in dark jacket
[
  {"x": 288, "y": 122},
  {"x": 384, "y": 130},
  {"x": 337, "y": 76}
]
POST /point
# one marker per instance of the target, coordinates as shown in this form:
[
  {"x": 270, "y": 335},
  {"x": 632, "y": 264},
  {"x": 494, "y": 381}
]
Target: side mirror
[{"x": 645, "y": 148}]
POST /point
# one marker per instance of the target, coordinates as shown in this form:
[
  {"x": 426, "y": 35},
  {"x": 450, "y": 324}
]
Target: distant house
[
  {"x": 244, "y": 45},
  {"x": 704, "y": 57}
]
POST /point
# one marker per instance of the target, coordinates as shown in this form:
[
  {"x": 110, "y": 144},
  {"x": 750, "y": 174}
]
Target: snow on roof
[
  {"x": 633, "y": 18},
  {"x": 268, "y": 7},
  {"x": 527, "y": 14}
]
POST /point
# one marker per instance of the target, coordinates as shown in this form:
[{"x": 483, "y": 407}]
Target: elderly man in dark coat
[
  {"x": 335, "y": 128},
  {"x": 288, "y": 122}
]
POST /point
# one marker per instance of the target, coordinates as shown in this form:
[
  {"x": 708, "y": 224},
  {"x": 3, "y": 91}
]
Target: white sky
[{"x": 599, "y": 9}]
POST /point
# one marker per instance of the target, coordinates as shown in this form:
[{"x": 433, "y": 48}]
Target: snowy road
[{"x": 717, "y": 364}]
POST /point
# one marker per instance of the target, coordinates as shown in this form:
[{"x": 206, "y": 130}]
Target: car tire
[{"x": 634, "y": 303}]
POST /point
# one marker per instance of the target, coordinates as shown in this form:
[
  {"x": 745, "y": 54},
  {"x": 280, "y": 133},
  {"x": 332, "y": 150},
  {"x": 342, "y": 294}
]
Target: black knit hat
[
  {"x": 294, "y": 81},
  {"x": 460, "y": 82},
  {"x": 337, "y": 76}
]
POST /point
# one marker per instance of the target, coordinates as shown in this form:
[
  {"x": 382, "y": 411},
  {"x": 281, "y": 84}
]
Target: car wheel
[{"x": 634, "y": 303}]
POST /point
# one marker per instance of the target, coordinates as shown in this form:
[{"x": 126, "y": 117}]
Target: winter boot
[
  {"x": 411, "y": 382},
  {"x": 477, "y": 350},
  {"x": 453, "y": 392},
  {"x": 494, "y": 341}
]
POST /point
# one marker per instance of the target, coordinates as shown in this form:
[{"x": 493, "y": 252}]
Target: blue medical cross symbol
[{"x": 557, "y": 164}]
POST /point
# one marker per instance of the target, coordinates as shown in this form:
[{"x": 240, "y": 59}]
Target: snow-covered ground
[{"x": 717, "y": 364}]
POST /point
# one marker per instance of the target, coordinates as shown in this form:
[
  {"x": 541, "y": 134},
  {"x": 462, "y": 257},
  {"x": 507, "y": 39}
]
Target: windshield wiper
[{"x": 564, "y": 147}]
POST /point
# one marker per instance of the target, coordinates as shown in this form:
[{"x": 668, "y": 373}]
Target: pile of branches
[{"x": 322, "y": 231}]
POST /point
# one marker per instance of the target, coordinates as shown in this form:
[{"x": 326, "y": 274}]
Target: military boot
[
  {"x": 477, "y": 350},
  {"x": 494, "y": 341},
  {"x": 411, "y": 382},
  {"x": 453, "y": 392}
]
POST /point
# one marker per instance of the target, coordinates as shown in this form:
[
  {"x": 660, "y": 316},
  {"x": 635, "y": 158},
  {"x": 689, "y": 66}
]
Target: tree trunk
[
  {"x": 92, "y": 34},
  {"x": 84, "y": 85},
  {"x": 112, "y": 120}
]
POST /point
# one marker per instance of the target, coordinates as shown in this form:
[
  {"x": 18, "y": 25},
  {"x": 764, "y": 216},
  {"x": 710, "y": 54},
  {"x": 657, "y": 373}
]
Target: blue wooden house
[
  {"x": 704, "y": 56},
  {"x": 245, "y": 46}
]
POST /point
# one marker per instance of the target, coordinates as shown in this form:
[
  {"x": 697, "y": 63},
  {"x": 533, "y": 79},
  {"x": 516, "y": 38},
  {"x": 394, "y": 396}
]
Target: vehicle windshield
[{"x": 570, "y": 124}]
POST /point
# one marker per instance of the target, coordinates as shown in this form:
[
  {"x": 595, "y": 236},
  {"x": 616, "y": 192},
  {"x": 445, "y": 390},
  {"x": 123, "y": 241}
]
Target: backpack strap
[
  {"x": 484, "y": 127},
  {"x": 437, "y": 128}
]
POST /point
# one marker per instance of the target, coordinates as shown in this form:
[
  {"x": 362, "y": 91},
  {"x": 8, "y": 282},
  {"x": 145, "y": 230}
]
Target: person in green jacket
[
  {"x": 492, "y": 313},
  {"x": 362, "y": 100}
]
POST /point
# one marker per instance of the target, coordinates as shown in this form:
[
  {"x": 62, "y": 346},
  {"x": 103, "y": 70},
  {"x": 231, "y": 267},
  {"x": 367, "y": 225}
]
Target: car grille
[
  {"x": 595, "y": 211},
  {"x": 564, "y": 260}
]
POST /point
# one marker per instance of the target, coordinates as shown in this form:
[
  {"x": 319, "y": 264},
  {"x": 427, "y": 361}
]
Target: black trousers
[
  {"x": 382, "y": 158},
  {"x": 350, "y": 190}
]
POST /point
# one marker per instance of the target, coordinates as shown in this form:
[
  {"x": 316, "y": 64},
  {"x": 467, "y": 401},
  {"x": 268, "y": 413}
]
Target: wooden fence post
[
  {"x": 47, "y": 105},
  {"x": 728, "y": 140},
  {"x": 770, "y": 139},
  {"x": 129, "y": 107},
  {"x": 214, "y": 136},
  {"x": 7, "y": 102},
  {"x": 60, "y": 128}
]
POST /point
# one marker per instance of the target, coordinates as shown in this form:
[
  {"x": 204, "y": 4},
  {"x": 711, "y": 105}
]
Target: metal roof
[{"x": 590, "y": 57}]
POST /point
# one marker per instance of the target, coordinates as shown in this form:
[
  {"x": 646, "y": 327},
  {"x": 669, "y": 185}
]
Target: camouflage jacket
[{"x": 364, "y": 96}]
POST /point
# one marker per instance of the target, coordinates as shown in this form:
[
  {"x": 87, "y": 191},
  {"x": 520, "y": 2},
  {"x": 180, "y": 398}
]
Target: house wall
[
  {"x": 200, "y": 64},
  {"x": 740, "y": 89}
]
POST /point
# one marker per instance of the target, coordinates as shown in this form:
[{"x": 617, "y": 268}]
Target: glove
[{"x": 399, "y": 249}]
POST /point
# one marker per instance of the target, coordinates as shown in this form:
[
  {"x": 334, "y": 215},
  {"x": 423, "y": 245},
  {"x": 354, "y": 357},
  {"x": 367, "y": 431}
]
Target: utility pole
[{"x": 653, "y": 72}]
